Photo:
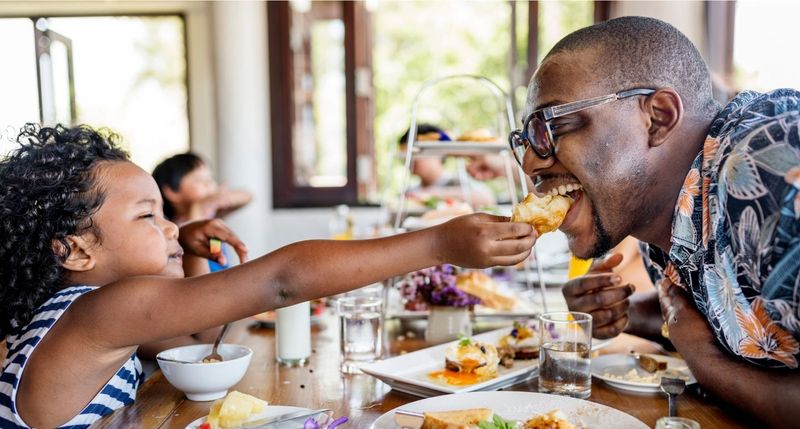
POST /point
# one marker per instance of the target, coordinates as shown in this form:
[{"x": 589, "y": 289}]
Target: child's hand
[
  {"x": 195, "y": 236},
  {"x": 482, "y": 240}
]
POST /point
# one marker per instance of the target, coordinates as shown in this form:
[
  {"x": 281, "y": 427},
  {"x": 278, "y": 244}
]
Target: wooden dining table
[{"x": 363, "y": 399}]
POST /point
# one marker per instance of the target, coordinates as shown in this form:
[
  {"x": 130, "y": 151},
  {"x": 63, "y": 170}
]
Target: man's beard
[{"x": 602, "y": 240}]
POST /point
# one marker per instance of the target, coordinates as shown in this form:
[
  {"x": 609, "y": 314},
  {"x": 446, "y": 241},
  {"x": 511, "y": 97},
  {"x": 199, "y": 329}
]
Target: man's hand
[
  {"x": 194, "y": 238},
  {"x": 601, "y": 294},
  {"x": 482, "y": 240}
]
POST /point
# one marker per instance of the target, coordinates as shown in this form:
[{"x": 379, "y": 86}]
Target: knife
[
  {"x": 408, "y": 419},
  {"x": 273, "y": 421}
]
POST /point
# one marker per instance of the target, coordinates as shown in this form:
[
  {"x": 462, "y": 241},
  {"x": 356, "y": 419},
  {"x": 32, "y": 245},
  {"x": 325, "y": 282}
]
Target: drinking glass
[
  {"x": 360, "y": 332},
  {"x": 564, "y": 358},
  {"x": 676, "y": 423}
]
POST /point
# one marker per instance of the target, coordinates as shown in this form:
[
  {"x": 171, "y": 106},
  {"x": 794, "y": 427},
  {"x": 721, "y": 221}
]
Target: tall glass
[
  {"x": 360, "y": 330},
  {"x": 564, "y": 358},
  {"x": 293, "y": 334}
]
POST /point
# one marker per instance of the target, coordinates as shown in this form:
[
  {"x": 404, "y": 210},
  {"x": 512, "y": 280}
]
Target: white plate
[
  {"x": 269, "y": 411},
  {"x": 521, "y": 406},
  {"x": 621, "y": 364},
  {"x": 409, "y": 372}
]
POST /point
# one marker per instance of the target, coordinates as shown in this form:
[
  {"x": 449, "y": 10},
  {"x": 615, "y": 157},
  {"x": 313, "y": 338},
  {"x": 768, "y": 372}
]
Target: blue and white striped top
[{"x": 119, "y": 391}]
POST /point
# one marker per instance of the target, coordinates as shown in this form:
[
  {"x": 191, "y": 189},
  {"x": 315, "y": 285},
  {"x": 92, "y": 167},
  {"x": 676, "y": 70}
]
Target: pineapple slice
[{"x": 234, "y": 410}]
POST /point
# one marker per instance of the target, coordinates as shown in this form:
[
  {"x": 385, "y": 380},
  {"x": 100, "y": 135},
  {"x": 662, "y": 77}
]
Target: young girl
[
  {"x": 90, "y": 269},
  {"x": 190, "y": 191}
]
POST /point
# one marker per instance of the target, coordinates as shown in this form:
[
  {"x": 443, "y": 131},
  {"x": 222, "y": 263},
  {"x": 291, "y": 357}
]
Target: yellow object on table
[{"x": 578, "y": 266}]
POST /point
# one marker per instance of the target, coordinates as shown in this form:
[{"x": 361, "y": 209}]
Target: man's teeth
[{"x": 564, "y": 189}]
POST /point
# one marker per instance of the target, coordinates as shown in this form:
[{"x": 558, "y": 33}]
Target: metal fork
[{"x": 673, "y": 387}]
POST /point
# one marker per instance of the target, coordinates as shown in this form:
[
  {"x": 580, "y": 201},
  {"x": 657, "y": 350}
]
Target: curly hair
[{"x": 48, "y": 191}]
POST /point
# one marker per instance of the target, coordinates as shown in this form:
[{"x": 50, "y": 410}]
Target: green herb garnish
[{"x": 498, "y": 423}]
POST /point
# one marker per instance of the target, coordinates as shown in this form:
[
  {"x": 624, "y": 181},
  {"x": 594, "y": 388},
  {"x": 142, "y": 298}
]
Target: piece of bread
[
  {"x": 457, "y": 419},
  {"x": 479, "y": 135},
  {"x": 479, "y": 284},
  {"x": 544, "y": 214}
]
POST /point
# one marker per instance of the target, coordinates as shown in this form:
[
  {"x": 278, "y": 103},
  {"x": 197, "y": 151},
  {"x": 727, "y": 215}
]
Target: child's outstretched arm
[
  {"x": 167, "y": 308},
  {"x": 102, "y": 328}
]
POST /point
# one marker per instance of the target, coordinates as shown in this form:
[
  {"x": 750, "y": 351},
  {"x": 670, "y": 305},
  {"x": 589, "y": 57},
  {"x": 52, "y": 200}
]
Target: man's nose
[{"x": 533, "y": 164}]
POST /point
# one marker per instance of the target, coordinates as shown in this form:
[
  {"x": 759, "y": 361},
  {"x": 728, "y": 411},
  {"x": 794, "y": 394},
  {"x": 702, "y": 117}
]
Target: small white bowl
[{"x": 204, "y": 381}]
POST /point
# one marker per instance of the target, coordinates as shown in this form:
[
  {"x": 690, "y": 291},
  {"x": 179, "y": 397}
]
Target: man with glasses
[{"x": 620, "y": 116}]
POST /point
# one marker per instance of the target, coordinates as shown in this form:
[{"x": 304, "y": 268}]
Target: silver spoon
[
  {"x": 214, "y": 356},
  {"x": 673, "y": 387}
]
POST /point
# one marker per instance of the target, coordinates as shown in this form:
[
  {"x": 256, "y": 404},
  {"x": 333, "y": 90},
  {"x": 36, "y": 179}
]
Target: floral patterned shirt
[{"x": 735, "y": 241}]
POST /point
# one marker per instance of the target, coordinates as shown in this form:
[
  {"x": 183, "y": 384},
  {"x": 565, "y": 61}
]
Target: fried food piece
[
  {"x": 457, "y": 419},
  {"x": 553, "y": 420},
  {"x": 544, "y": 214}
]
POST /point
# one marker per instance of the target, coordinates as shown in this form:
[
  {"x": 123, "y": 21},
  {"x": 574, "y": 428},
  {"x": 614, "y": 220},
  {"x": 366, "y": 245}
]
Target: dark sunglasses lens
[{"x": 540, "y": 137}]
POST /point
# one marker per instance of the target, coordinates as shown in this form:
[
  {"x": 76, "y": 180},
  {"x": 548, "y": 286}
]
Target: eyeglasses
[{"x": 537, "y": 133}]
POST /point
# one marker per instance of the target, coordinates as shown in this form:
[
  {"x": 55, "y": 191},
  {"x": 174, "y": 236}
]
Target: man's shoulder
[{"x": 750, "y": 111}]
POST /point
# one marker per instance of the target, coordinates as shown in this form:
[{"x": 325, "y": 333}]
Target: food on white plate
[
  {"x": 447, "y": 210},
  {"x": 468, "y": 362},
  {"x": 456, "y": 419},
  {"x": 635, "y": 376},
  {"x": 522, "y": 343},
  {"x": 479, "y": 135},
  {"x": 544, "y": 214},
  {"x": 479, "y": 284},
  {"x": 233, "y": 410},
  {"x": 552, "y": 420}
]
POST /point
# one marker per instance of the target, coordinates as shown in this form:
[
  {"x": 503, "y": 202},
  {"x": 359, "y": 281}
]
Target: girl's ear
[{"x": 80, "y": 257}]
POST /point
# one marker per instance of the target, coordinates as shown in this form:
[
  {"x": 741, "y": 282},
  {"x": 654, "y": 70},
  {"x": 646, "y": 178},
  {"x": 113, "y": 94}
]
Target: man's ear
[
  {"x": 665, "y": 110},
  {"x": 80, "y": 257}
]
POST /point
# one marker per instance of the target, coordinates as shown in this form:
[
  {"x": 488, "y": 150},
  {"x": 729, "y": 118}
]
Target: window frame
[
  {"x": 286, "y": 193},
  {"x": 359, "y": 106}
]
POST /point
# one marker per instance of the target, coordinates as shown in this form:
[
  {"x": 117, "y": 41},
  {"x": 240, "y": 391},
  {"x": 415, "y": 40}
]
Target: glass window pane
[
  {"x": 20, "y": 101},
  {"x": 320, "y": 130},
  {"x": 761, "y": 60},
  {"x": 130, "y": 76}
]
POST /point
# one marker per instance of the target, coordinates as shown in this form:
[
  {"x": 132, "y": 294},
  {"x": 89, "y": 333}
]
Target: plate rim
[{"x": 389, "y": 414}]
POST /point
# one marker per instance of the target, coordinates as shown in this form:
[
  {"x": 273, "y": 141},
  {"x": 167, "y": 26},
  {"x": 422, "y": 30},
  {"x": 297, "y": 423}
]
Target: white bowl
[{"x": 204, "y": 381}]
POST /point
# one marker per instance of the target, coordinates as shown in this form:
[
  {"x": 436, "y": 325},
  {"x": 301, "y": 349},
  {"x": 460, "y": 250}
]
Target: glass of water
[
  {"x": 360, "y": 333},
  {"x": 564, "y": 357}
]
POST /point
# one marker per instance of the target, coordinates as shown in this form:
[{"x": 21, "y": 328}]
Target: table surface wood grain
[{"x": 320, "y": 384}]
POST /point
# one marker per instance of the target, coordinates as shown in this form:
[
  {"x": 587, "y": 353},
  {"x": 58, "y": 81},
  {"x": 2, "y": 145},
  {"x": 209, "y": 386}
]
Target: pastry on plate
[
  {"x": 456, "y": 419},
  {"x": 544, "y": 214},
  {"x": 468, "y": 362},
  {"x": 553, "y": 420},
  {"x": 479, "y": 284},
  {"x": 522, "y": 342},
  {"x": 479, "y": 135}
]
